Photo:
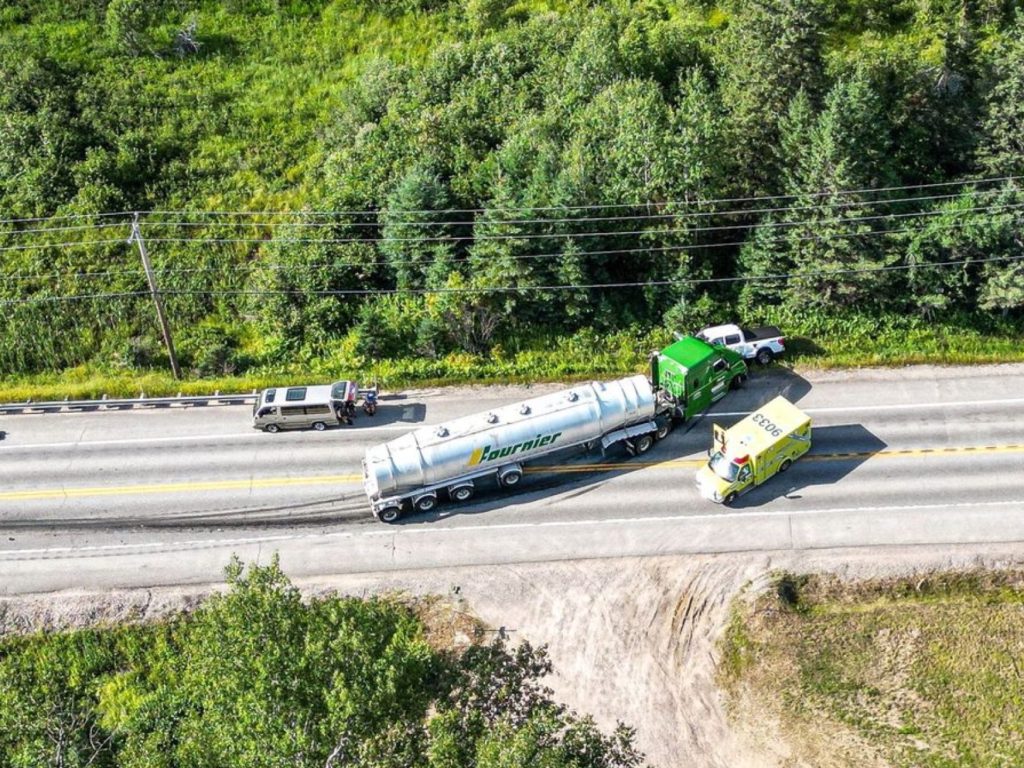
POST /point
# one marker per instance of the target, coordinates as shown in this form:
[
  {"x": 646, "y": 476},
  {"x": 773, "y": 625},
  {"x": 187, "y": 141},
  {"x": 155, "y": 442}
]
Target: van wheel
[
  {"x": 764, "y": 356},
  {"x": 784, "y": 465},
  {"x": 272, "y": 429},
  {"x": 729, "y": 499},
  {"x": 390, "y": 514},
  {"x": 319, "y": 426},
  {"x": 644, "y": 443},
  {"x": 425, "y": 503},
  {"x": 510, "y": 478}
]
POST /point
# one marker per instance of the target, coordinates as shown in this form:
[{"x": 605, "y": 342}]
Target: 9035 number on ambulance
[{"x": 763, "y": 444}]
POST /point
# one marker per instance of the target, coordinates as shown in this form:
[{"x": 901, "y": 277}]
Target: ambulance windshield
[{"x": 722, "y": 467}]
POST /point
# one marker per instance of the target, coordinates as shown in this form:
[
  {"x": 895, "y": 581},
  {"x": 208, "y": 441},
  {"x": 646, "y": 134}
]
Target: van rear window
[
  {"x": 312, "y": 410},
  {"x": 293, "y": 410},
  {"x": 295, "y": 393}
]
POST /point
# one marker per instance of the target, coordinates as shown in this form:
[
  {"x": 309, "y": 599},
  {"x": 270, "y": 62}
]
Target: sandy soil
[{"x": 631, "y": 639}]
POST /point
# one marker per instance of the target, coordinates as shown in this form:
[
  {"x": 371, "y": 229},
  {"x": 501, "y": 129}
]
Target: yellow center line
[
  {"x": 882, "y": 454},
  {"x": 211, "y": 485},
  {"x": 279, "y": 482}
]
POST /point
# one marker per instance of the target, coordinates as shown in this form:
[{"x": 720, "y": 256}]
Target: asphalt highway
[{"x": 165, "y": 496}]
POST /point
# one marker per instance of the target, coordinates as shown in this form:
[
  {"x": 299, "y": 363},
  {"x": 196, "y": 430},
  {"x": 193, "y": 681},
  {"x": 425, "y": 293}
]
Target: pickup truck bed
[{"x": 762, "y": 333}]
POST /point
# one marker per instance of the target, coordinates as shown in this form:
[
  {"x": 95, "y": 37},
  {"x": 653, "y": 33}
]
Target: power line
[
  {"x": 66, "y": 217},
  {"x": 75, "y": 297},
  {"x": 439, "y": 239},
  {"x": 610, "y": 252},
  {"x": 598, "y": 206},
  {"x": 594, "y": 206},
  {"x": 932, "y": 213},
  {"x": 70, "y": 228},
  {"x": 570, "y": 220},
  {"x": 25, "y": 276},
  {"x": 526, "y": 289},
  {"x": 649, "y": 250},
  {"x": 69, "y": 244}
]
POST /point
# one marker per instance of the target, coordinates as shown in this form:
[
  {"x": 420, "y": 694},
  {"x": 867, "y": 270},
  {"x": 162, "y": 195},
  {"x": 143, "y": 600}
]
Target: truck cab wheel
[
  {"x": 785, "y": 465},
  {"x": 425, "y": 503},
  {"x": 390, "y": 514},
  {"x": 643, "y": 443},
  {"x": 663, "y": 429},
  {"x": 764, "y": 356},
  {"x": 729, "y": 499},
  {"x": 738, "y": 381}
]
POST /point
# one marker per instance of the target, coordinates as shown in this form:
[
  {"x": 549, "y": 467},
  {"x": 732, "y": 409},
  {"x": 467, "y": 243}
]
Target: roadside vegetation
[
  {"x": 922, "y": 672},
  {"x": 814, "y": 340},
  {"x": 456, "y": 190},
  {"x": 258, "y": 677}
]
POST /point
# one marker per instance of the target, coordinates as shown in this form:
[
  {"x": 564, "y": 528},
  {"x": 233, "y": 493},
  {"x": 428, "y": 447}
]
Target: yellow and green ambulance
[{"x": 748, "y": 453}]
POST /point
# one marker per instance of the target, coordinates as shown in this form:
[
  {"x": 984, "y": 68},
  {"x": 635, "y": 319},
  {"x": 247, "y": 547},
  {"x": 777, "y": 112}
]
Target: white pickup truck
[{"x": 760, "y": 344}]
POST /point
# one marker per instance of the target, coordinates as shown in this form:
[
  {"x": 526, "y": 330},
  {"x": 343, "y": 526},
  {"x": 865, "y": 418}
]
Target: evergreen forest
[{"x": 546, "y": 187}]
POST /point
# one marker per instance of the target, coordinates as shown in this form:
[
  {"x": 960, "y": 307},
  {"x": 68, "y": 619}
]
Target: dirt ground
[{"x": 631, "y": 639}]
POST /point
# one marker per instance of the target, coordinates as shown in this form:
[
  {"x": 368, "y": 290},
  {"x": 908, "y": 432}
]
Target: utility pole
[{"x": 136, "y": 237}]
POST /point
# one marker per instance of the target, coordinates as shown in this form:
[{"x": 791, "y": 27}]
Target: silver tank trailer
[{"x": 477, "y": 445}]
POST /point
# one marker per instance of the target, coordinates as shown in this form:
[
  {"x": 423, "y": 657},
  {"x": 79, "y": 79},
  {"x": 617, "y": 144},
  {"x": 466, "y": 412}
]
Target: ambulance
[{"x": 748, "y": 453}]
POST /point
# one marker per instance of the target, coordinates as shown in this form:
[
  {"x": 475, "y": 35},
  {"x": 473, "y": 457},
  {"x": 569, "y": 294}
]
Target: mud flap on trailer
[{"x": 627, "y": 432}]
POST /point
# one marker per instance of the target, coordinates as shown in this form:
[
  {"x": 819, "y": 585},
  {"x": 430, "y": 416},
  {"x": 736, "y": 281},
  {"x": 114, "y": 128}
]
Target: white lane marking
[
  {"x": 891, "y": 407},
  {"x": 386, "y": 531},
  {"x": 7, "y": 448}
]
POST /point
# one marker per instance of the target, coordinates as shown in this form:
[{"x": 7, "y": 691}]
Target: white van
[{"x": 315, "y": 406}]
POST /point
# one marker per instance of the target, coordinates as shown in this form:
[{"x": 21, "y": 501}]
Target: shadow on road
[
  {"x": 835, "y": 452},
  {"x": 766, "y": 384},
  {"x": 390, "y": 412}
]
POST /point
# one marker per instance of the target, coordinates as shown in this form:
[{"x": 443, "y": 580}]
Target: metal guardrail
[{"x": 122, "y": 404}]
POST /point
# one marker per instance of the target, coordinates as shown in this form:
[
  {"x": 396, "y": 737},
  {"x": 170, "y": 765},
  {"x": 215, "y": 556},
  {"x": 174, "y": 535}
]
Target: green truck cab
[{"x": 691, "y": 374}]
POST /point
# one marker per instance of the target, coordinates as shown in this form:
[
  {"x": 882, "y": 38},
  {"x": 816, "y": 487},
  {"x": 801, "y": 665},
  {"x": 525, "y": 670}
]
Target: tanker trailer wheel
[
  {"x": 643, "y": 443},
  {"x": 425, "y": 503},
  {"x": 461, "y": 493},
  {"x": 510, "y": 477},
  {"x": 764, "y": 356},
  {"x": 390, "y": 514}
]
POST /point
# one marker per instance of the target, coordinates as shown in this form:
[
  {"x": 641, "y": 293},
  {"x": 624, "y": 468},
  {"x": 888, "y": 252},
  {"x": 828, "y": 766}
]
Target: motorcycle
[{"x": 370, "y": 402}]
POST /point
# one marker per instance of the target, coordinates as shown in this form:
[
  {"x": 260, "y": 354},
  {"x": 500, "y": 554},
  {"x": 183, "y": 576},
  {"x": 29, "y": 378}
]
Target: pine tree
[
  {"x": 834, "y": 247},
  {"x": 416, "y": 230},
  {"x": 1002, "y": 146},
  {"x": 774, "y": 51}
]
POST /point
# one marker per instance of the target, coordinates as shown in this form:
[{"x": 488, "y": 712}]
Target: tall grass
[
  {"x": 813, "y": 341},
  {"x": 925, "y": 671}
]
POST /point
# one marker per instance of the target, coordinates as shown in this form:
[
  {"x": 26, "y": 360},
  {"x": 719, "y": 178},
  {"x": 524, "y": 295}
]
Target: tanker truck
[{"x": 447, "y": 460}]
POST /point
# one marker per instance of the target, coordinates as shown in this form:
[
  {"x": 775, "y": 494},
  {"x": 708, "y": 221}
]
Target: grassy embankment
[
  {"x": 817, "y": 342},
  {"x": 923, "y": 672}
]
